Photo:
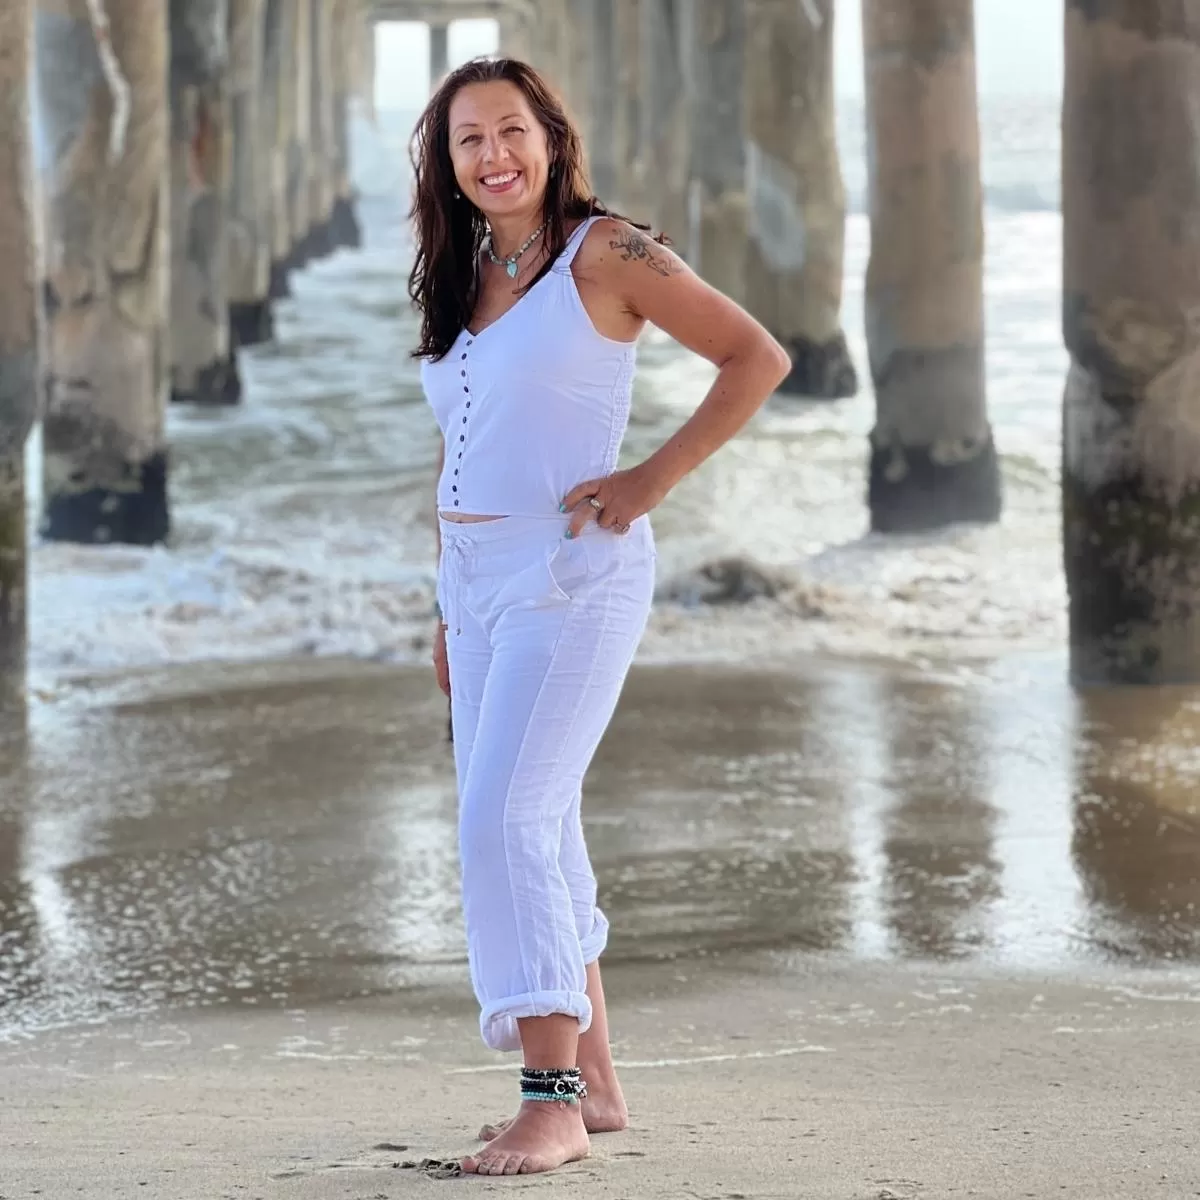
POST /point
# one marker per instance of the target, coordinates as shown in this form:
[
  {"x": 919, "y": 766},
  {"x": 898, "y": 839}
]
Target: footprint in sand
[
  {"x": 435, "y": 1168},
  {"x": 368, "y": 1160},
  {"x": 898, "y": 1189}
]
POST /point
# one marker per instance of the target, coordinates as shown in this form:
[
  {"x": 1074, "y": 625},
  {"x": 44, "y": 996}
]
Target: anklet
[{"x": 564, "y": 1084}]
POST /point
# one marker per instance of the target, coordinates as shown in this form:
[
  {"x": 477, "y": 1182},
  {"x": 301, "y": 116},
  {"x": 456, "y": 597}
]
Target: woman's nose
[{"x": 494, "y": 149}]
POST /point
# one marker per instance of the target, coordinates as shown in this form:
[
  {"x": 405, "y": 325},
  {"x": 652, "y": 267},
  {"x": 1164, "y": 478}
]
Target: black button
[
  {"x": 460, "y": 452},
  {"x": 456, "y": 504},
  {"x": 466, "y": 389},
  {"x": 463, "y": 373},
  {"x": 464, "y": 357},
  {"x": 456, "y": 470},
  {"x": 468, "y": 404},
  {"x": 464, "y": 420},
  {"x": 470, "y": 340},
  {"x": 461, "y": 439},
  {"x": 454, "y": 487}
]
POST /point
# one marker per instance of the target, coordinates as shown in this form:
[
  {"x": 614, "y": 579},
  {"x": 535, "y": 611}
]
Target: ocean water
[{"x": 302, "y": 519}]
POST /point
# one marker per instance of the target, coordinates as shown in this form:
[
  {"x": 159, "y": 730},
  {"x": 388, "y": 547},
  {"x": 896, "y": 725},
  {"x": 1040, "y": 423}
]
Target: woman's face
[{"x": 499, "y": 151}]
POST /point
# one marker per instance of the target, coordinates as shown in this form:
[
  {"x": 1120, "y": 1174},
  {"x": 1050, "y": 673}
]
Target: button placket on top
[{"x": 465, "y": 380}]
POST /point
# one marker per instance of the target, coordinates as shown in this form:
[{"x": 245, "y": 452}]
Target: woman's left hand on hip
[{"x": 614, "y": 502}]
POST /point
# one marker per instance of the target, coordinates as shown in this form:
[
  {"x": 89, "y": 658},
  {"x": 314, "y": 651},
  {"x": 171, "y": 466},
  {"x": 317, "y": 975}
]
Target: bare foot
[
  {"x": 541, "y": 1137},
  {"x": 603, "y": 1110}
]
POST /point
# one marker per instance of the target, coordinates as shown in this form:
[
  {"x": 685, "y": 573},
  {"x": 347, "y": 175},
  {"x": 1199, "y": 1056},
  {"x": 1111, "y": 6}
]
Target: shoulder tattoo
[{"x": 634, "y": 247}]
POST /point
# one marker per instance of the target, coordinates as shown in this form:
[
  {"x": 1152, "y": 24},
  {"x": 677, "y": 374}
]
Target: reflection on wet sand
[
  {"x": 285, "y": 833},
  {"x": 1136, "y": 840},
  {"x": 942, "y": 873}
]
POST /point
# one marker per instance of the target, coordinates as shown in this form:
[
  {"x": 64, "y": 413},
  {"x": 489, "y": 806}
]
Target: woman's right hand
[{"x": 441, "y": 664}]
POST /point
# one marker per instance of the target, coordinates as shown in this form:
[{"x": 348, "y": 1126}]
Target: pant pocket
[
  {"x": 550, "y": 579},
  {"x": 567, "y": 568}
]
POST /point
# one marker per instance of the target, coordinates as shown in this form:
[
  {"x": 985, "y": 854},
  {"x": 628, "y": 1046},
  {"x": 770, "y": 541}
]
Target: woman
[{"x": 532, "y": 297}]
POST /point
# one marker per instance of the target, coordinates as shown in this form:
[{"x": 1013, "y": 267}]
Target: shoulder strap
[{"x": 576, "y": 239}]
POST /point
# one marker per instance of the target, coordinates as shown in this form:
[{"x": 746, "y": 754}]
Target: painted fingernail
[
  {"x": 562, "y": 508},
  {"x": 569, "y": 534}
]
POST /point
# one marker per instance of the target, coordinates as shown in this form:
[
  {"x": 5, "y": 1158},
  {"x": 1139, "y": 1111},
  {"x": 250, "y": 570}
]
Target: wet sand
[{"x": 876, "y": 932}]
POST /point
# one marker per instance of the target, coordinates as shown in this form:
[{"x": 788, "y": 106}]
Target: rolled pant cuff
[{"x": 498, "y": 1021}]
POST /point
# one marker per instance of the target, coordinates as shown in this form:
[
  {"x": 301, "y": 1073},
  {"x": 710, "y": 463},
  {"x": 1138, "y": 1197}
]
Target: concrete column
[
  {"x": 439, "y": 52},
  {"x": 203, "y": 368},
  {"x": 363, "y": 74},
  {"x": 344, "y": 228},
  {"x": 300, "y": 89},
  {"x": 797, "y": 202},
  {"x": 575, "y": 55},
  {"x": 278, "y": 124},
  {"x": 249, "y": 249},
  {"x": 544, "y": 41},
  {"x": 593, "y": 28},
  {"x": 1131, "y": 299},
  {"x": 714, "y": 39},
  {"x": 19, "y": 302},
  {"x": 516, "y": 35},
  {"x": 933, "y": 461},
  {"x": 553, "y": 49},
  {"x": 664, "y": 118},
  {"x": 321, "y": 152},
  {"x": 627, "y": 126},
  {"x": 106, "y": 272}
]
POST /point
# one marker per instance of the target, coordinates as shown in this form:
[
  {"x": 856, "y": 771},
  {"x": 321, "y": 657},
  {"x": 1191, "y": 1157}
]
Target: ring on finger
[{"x": 595, "y": 503}]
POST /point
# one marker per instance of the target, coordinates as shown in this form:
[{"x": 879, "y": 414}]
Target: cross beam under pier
[{"x": 440, "y": 11}]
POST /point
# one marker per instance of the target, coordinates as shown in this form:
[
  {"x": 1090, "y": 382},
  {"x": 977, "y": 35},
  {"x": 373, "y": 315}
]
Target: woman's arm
[{"x": 650, "y": 282}]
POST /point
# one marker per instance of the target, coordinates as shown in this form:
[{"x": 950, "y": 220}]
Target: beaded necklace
[{"x": 510, "y": 263}]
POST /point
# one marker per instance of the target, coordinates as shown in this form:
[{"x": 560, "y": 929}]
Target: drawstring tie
[{"x": 456, "y": 559}]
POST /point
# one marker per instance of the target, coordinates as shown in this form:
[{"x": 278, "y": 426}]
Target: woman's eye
[
  {"x": 514, "y": 129},
  {"x": 471, "y": 137}
]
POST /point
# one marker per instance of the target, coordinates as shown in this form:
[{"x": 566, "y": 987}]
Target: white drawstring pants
[{"x": 541, "y": 631}]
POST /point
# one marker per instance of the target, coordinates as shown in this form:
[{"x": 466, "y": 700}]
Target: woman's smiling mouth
[{"x": 501, "y": 181}]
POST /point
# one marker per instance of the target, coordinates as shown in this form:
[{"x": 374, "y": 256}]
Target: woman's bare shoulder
[{"x": 612, "y": 246}]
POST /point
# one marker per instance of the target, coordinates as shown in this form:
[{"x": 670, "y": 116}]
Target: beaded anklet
[{"x": 565, "y": 1084}]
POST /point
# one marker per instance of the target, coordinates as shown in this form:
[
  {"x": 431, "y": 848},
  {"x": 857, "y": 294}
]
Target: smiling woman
[{"x": 532, "y": 296}]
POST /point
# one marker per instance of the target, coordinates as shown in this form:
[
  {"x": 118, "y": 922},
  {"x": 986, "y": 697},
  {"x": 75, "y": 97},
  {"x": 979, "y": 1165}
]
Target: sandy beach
[
  {"x": 877, "y": 933},
  {"x": 831, "y": 1081}
]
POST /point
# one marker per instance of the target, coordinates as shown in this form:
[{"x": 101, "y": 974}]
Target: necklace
[{"x": 510, "y": 263}]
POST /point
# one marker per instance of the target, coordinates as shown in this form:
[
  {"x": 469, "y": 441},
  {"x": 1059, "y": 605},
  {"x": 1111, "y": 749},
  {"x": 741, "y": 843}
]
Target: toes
[
  {"x": 491, "y": 1164},
  {"x": 484, "y": 1164},
  {"x": 513, "y": 1165}
]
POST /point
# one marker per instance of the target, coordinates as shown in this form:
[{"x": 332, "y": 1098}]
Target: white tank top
[{"x": 533, "y": 404}]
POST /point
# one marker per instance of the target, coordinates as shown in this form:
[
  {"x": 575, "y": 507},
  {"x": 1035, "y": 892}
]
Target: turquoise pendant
[{"x": 511, "y": 269}]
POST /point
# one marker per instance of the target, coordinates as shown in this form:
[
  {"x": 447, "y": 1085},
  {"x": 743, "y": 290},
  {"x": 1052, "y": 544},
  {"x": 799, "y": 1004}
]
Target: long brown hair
[{"x": 450, "y": 230}]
